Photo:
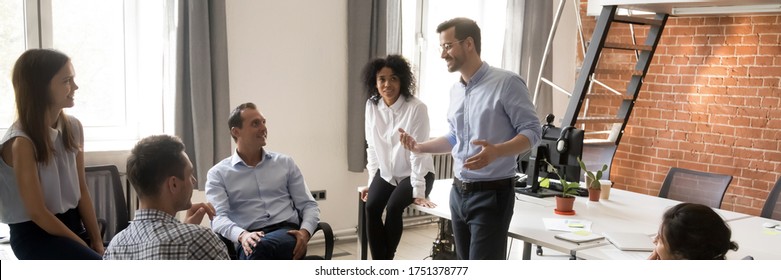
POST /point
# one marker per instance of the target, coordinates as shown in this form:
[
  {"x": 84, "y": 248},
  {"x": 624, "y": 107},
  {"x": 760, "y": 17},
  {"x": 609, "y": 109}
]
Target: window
[
  {"x": 118, "y": 49},
  {"x": 420, "y": 44},
  {"x": 12, "y": 44}
]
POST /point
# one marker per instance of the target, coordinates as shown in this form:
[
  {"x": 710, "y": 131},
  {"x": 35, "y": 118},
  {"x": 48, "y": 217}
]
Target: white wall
[{"x": 290, "y": 59}]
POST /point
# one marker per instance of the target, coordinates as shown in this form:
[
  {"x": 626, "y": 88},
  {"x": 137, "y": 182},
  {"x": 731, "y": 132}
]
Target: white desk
[
  {"x": 525, "y": 225},
  {"x": 440, "y": 195},
  {"x": 753, "y": 240},
  {"x": 6, "y": 253},
  {"x": 624, "y": 212}
]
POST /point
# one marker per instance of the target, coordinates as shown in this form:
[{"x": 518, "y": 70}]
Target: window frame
[
  {"x": 424, "y": 38},
  {"x": 148, "y": 88}
]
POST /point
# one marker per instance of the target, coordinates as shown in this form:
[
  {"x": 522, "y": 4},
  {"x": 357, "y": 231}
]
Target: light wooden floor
[{"x": 416, "y": 243}]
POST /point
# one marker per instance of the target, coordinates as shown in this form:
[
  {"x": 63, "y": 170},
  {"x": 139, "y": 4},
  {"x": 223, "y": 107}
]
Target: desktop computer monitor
[{"x": 561, "y": 147}]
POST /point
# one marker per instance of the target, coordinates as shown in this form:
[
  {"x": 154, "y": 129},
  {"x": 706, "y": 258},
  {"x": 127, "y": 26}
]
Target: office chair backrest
[
  {"x": 772, "y": 208},
  {"x": 695, "y": 186},
  {"x": 108, "y": 198}
]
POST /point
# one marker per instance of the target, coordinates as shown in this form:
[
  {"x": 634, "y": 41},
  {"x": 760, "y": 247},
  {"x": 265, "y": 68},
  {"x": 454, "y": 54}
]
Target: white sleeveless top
[{"x": 59, "y": 177}]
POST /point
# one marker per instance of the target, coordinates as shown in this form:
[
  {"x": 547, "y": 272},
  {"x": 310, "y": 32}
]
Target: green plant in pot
[
  {"x": 566, "y": 200},
  {"x": 592, "y": 181}
]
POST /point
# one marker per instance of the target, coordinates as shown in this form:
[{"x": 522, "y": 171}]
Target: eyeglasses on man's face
[{"x": 445, "y": 47}]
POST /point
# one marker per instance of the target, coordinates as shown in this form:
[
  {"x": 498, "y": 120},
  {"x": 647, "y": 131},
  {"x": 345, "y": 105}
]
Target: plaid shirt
[{"x": 156, "y": 235}]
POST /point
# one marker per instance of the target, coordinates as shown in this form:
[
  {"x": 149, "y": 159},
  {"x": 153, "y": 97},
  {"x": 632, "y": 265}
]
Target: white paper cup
[{"x": 606, "y": 185}]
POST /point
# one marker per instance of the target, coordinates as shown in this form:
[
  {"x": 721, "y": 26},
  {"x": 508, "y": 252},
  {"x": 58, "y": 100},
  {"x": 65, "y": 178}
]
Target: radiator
[
  {"x": 443, "y": 169},
  {"x": 443, "y": 166}
]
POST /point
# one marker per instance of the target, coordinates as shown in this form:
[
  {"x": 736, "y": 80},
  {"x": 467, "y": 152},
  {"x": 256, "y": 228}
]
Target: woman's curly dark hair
[
  {"x": 401, "y": 69},
  {"x": 695, "y": 232}
]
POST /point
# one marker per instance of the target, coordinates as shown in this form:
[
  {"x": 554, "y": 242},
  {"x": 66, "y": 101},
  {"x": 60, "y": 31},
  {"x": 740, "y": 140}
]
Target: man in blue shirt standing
[
  {"x": 260, "y": 196},
  {"x": 492, "y": 121}
]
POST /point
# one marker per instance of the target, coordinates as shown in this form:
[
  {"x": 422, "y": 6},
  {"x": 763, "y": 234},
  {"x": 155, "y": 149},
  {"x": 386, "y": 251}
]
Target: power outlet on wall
[{"x": 318, "y": 195}]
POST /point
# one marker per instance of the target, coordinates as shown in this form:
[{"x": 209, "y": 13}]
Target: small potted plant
[
  {"x": 566, "y": 200},
  {"x": 592, "y": 181}
]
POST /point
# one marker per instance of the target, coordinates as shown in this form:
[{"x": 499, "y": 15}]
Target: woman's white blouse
[
  {"x": 59, "y": 178},
  {"x": 385, "y": 152}
]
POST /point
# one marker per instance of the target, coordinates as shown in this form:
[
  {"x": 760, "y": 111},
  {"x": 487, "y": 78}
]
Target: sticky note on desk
[
  {"x": 569, "y": 225},
  {"x": 575, "y": 225}
]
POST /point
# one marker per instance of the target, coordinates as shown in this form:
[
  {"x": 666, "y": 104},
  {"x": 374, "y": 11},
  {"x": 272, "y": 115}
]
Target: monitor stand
[{"x": 532, "y": 185}]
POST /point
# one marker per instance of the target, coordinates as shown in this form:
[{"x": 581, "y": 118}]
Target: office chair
[
  {"x": 321, "y": 226},
  {"x": 772, "y": 208},
  {"x": 695, "y": 186},
  {"x": 108, "y": 198}
]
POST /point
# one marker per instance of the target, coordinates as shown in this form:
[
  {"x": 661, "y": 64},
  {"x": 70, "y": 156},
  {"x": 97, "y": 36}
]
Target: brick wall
[{"x": 711, "y": 102}]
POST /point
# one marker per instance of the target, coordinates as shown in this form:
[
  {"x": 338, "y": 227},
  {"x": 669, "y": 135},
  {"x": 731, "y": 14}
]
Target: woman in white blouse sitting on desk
[{"x": 397, "y": 177}]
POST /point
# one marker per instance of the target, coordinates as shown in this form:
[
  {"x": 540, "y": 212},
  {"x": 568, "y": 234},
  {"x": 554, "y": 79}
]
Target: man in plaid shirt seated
[{"x": 162, "y": 175}]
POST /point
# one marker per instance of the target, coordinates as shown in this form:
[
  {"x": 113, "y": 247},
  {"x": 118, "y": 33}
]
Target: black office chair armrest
[
  {"x": 329, "y": 239},
  {"x": 230, "y": 245},
  {"x": 102, "y": 224}
]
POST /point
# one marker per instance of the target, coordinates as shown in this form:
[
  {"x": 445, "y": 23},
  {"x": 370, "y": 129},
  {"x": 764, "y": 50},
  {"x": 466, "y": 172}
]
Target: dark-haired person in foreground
[
  {"x": 397, "y": 177},
  {"x": 162, "y": 175},
  {"x": 692, "y": 231},
  {"x": 492, "y": 121},
  {"x": 261, "y": 198}
]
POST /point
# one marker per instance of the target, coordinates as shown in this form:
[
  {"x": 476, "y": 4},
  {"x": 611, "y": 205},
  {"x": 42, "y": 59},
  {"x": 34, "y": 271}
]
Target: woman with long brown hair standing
[{"x": 43, "y": 192}]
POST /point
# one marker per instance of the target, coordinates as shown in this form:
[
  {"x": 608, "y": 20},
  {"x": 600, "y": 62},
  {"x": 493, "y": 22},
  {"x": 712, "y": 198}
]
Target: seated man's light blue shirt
[
  {"x": 494, "y": 106},
  {"x": 253, "y": 197}
]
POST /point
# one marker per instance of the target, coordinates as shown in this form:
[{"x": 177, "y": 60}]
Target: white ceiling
[{"x": 692, "y": 8}]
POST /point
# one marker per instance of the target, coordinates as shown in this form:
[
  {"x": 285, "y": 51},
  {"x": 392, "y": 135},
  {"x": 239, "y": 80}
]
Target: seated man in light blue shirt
[{"x": 260, "y": 196}]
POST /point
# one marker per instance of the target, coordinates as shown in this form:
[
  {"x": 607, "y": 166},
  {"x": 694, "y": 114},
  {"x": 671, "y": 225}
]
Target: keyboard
[
  {"x": 542, "y": 192},
  {"x": 555, "y": 188}
]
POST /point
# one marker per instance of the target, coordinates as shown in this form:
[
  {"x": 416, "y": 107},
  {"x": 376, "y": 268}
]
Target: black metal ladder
[{"x": 598, "y": 151}]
